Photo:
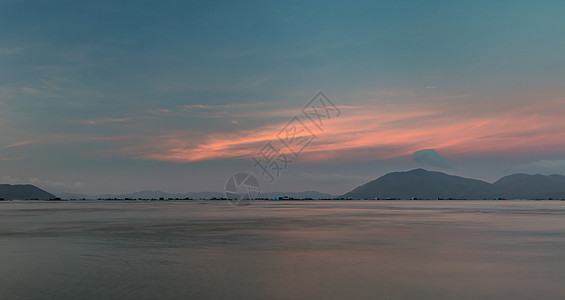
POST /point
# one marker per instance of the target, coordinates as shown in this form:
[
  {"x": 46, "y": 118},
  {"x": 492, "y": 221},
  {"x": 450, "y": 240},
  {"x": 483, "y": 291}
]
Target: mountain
[
  {"x": 193, "y": 195},
  {"x": 422, "y": 184},
  {"x": 418, "y": 183},
  {"x": 23, "y": 192},
  {"x": 524, "y": 186}
]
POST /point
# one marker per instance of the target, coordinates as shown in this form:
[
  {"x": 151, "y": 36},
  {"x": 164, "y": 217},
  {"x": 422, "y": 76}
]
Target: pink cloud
[
  {"x": 160, "y": 111},
  {"x": 198, "y": 106},
  {"x": 370, "y": 132}
]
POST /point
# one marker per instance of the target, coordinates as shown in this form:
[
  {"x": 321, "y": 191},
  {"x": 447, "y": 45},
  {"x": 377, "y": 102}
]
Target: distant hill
[
  {"x": 143, "y": 195},
  {"x": 423, "y": 184},
  {"x": 418, "y": 183},
  {"x": 23, "y": 192},
  {"x": 524, "y": 186},
  {"x": 298, "y": 195}
]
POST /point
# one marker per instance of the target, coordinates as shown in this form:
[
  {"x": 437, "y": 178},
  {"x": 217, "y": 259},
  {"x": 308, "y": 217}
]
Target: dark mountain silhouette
[
  {"x": 422, "y": 184},
  {"x": 418, "y": 183},
  {"x": 524, "y": 186},
  {"x": 23, "y": 192},
  {"x": 425, "y": 184}
]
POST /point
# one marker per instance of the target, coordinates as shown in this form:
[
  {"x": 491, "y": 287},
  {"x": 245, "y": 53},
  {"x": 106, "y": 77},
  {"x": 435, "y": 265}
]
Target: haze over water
[{"x": 283, "y": 250}]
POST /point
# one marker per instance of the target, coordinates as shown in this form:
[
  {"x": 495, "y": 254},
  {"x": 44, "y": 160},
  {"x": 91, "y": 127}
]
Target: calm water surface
[{"x": 283, "y": 250}]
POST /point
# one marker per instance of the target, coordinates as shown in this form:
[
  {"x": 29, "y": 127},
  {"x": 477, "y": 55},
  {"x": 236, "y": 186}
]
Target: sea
[{"x": 282, "y": 250}]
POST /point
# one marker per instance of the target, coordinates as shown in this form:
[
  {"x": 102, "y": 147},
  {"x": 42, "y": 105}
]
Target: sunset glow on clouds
[
  {"x": 362, "y": 130},
  {"x": 373, "y": 126},
  {"x": 179, "y": 95}
]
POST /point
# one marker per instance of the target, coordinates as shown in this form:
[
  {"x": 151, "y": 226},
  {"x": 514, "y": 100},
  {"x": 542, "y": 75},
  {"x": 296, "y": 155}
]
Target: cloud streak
[
  {"x": 104, "y": 121},
  {"x": 364, "y": 132},
  {"x": 369, "y": 129}
]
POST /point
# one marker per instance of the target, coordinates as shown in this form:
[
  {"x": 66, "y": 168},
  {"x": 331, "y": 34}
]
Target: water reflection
[{"x": 283, "y": 250}]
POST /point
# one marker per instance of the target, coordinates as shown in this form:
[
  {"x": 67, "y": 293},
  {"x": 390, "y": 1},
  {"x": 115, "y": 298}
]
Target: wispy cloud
[
  {"x": 11, "y": 158},
  {"x": 20, "y": 143},
  {"x": 47, "y": 84},
  {"x": 104, "y": 121},
  {"x": 160, "y": 111},
  {"x": 368, "y": 129},
  {"x": 364, "y": 131},
  {"x": 197, "y": 106}
]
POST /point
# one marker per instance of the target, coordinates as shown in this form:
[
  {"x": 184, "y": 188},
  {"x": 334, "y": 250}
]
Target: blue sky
[{"x": 96, "y": 96}]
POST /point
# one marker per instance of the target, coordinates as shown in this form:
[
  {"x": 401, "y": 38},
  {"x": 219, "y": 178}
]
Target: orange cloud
[{"x": 370, "y": 132}]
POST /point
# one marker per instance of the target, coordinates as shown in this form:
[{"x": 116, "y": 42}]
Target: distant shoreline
[{"x": 265, "y": 200}]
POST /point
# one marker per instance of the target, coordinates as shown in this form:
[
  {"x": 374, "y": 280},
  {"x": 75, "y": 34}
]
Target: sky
[{"x": 123, "y": 96}]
